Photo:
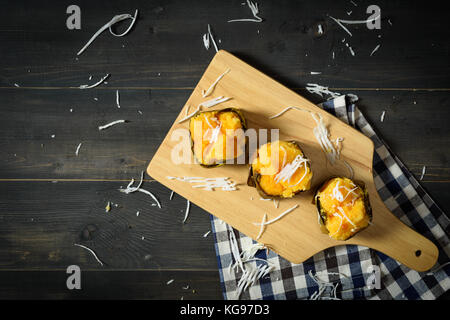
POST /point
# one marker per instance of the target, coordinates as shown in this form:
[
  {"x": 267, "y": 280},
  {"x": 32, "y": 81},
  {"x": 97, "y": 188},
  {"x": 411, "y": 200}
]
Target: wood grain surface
[{"x": 155, "y": 68}]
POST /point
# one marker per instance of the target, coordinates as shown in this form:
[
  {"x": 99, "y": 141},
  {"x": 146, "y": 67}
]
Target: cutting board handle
[{"x": 396, "y": 239}]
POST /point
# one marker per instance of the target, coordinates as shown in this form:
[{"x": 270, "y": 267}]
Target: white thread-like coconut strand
[
  {"x": 358, "y": 21},
  {"x": 341, "y": 25},
  {"x": 345, "y": 216},
  {"x": 279, "y": 217},
  {"x": 423, "y": 173},
  {"x": 287, "y": 109},
  {"x": 214, "y": 101},
  {"x": 212, "y": 38},
  {"x": 91, "y": 251},
  {"x": 188, "y": 205},
  {"x": 117, "y": 99},
  {"x": 261, "y": 229},
  {"x": 208, "y": 184},
  {"x": 190, "y": 115},
  {"x": 86, "y": 86},
  {"x": 108, "y": 25},
  {"x": 213, "y": 85},
  {"x": 130, "y": 189},
  {"x": 129, "y": 27},
  {"x": 111, "y": 124},
  {"x": 374, "y": 50},
  {"x": 206, "y": 40},
  {"x": 254, "y": 8},
  {"x": 320, "y": 90},
  {"x": 78, "y": 149}
]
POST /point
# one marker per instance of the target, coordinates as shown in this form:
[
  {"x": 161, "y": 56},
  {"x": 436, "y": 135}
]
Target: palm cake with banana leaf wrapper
[
  {"x": 280, "y": 170},
  {"x": 343, "y": 207},
  {"x": 217, "y": 137}
]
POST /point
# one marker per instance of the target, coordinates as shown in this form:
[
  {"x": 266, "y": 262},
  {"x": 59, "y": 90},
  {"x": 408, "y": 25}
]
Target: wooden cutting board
[{"x": 296, "y": 236}]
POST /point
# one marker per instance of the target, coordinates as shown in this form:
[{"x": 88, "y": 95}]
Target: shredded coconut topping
[{"x": 289, "y": 169}]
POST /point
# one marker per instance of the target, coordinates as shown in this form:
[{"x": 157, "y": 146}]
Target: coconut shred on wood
[
  {"x": 102, "y": 80},
  {"x": 209, "y": 184},
  {"x": 108, "y": 25},
  {"x": 278, "y": 217},
  {"x": 213, "y": 85},
  {"x": 91, "y": 251},
  {"x": 78, "y": 149},
  {"x": 106, "y": 126},
  {"x": 207, "y": 38},
  {"x": 129, "y": 189},
  {"x": 215, "y": 101},
  {"x": 341, "y": 22},
  {"x": 255, "y": 11}
]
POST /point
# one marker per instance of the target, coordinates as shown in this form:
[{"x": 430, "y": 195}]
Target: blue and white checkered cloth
[{"x": 350, "y": 266}]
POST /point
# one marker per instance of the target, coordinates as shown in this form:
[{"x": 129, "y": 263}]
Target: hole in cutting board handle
[{"x": 418, "y": 253}]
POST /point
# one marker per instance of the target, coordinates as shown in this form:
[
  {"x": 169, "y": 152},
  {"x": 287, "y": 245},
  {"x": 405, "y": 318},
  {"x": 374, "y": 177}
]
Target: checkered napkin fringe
[{"x": 350, "y": 266}]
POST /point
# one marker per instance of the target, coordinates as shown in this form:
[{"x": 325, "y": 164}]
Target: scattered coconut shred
[
  {"x": 209, "y": 184},
  {"x": 117, "y": 99},
  {"x": 91, "y": 251},
  {"x": 188, "y": 206},
  {"x": 214, "y": 101},
  {"x": 131, "y": 189},
  {"x": 250, "y": 274},
  {"x": 108, "y": 25},
  {"x": 254, "y": 8},
  {"x": 341, "y": 22},
  {"x": 78, "y": 149},
  {"x": 322, "y": 135},
  {"x": 375, "y": 50},
  {"x": 318, "y": 295},
  {"x": 86, "y": 86},
  {"x": 276, "y": 218},
  {"x": 111, "y": 124},
  {"x": 213, "y": 85},
  {"x": 209, "y": 103},
  {"x": 207, "y": 37},
  {"x": 321, "y": 90},
  {"x": 423, "y": 173}
]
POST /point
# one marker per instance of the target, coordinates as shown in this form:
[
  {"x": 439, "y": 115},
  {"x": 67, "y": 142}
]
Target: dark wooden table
[{"x": 50, "y": 198}]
